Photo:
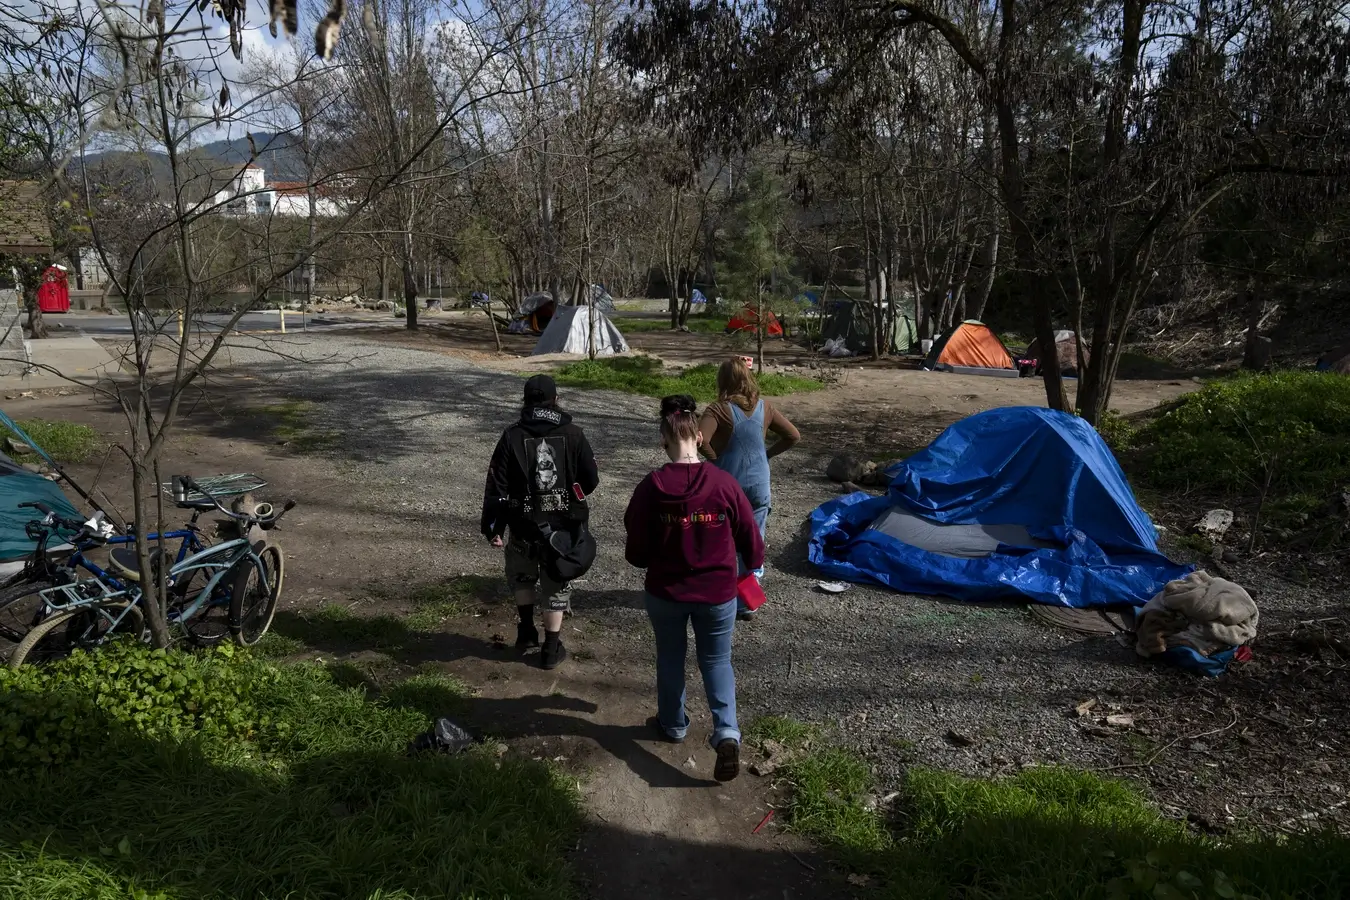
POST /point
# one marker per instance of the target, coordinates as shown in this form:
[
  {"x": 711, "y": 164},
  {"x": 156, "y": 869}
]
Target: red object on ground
[
  {"x": 747, "y": 320},
  {"x": 764, "y": 821},
  {"x": 53, "y": 294},
  {"x": 749, "y": 592},
  {"x": 1244, "y": 653}
]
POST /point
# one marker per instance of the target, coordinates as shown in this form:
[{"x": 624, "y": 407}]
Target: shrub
[
  {"x": 1291, "y": 428},
  {"x": 51, "y": 714}
]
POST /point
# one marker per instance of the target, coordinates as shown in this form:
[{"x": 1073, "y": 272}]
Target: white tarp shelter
[{"x": 569, "y": 332}]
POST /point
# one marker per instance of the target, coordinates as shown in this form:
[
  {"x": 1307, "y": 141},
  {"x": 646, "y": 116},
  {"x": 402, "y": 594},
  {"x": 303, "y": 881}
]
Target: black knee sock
[
  {"x": 551, "y": 638},
  {"x": 526, "y": 614}
]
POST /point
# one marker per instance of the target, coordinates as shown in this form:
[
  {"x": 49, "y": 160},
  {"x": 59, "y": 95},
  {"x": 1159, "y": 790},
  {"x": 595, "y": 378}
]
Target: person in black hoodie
[{"x": 540, "y": 476}]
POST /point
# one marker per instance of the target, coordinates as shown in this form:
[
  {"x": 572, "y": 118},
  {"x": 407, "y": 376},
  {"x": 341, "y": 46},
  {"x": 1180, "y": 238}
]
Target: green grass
[
  {"x": 698, "y": 324},
  {"x": 293, "y": 423},
  {"x": 644, "y": 375},
  {"x": 65, "y": 442},
  {"x": 321, "y": 799},
  {"x": 338, "y": 626},
  {"x": 790, "y": 733},
  {"x": 1286, "y": 434},
  {"x": 1045, "y": 834}
]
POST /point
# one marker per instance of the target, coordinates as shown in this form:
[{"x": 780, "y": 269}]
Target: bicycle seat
[{"x": 123, "y": 561}]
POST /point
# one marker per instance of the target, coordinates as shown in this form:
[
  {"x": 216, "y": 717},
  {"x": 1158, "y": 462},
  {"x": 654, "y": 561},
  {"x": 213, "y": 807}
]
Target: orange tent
[
  {"x": 747, "y": 319},
  {"x": 970, "y": 345}
]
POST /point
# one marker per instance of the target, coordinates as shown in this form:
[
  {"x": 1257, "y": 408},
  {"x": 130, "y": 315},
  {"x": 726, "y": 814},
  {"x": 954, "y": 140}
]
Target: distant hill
[{"x": 277, "y": 154}]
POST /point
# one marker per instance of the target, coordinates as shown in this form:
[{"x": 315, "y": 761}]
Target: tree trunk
[
  {"x": 410, "y": 291},
  {"x": 1256, "y": 354},
  {"x": 988, "y": 267},
  {"x": 759, "y": 329},
  {"x": 37, "y": 327},
  {"x": 384, "y": 277},
  {"x": 154, "y": 615}
]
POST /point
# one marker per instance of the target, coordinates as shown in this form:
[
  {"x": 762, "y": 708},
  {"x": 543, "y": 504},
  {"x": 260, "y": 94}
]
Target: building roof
[{"x": 24, "y": 229}]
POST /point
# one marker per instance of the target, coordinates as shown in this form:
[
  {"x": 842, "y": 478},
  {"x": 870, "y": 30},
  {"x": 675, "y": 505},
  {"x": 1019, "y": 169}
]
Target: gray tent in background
[
  {"x": 1066, "y": 351},
  {"x": 851, "y": 321},
  {"x": 570, "y": 331}
]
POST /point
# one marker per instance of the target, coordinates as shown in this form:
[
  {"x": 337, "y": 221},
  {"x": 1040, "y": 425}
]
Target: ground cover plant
[
  {"x": 646, "y": 376},
  {"x": 153, "y": 774},
  {"x": 1281, "y": 439},
  {"x": 1046, "y": 833}
]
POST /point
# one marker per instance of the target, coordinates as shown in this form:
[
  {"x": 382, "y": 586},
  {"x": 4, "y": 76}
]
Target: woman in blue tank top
[{"x": 734, "y": 432}]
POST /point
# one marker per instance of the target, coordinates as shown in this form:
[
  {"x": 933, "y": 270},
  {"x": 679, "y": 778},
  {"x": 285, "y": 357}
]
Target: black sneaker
[
  {"x": 728, "y": 760},
  {"x": 527, "y": 636},
  {"x": 655, "y": 724},
  {"x": 552, "y": 656}
]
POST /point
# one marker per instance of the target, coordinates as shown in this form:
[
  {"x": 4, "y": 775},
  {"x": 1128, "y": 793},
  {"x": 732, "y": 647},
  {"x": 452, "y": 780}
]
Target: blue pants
[{"x": 713, "y": 625}]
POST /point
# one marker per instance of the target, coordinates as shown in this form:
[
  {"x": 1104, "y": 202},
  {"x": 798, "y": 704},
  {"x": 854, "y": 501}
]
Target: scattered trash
[
  {"x": 832, "y": 587},
  {"x": 764, "y": 821},
  {"x": 446, "y": 737},
  {"x": 958, "y": 739},
  {"x": 1215, "y": 524}
]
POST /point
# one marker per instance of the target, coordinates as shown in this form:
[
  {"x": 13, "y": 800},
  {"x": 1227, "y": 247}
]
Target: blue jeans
[{"x": 713, "y": 625}]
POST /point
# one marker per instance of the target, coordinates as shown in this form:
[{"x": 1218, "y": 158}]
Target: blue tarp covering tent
[{"x": 1019, "y": 503}]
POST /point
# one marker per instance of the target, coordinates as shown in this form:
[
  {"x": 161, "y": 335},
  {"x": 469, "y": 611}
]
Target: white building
[{"x": 250, "y": 194}]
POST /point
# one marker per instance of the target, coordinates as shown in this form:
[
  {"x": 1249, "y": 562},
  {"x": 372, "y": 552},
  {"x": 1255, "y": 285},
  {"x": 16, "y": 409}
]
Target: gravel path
[{"x": 906, "y": 679}]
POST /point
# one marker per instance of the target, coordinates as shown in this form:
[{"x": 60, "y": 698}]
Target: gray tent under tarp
[
  {"x": 851, "y": 321},
  {"x": 957, "y": 541}
]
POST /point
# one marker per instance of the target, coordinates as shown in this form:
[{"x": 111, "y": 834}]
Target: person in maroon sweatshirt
[{"x": 686, "y": 524}]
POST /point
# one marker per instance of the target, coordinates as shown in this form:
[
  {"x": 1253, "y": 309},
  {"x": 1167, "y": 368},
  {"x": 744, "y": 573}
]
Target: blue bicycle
[{"x": 213, "y": 590}]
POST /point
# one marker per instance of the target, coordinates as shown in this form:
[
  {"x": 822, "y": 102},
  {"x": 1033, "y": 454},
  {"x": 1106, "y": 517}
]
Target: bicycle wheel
[
  {"x": 75, "y": 629},
  {"x": 253, "y": 599},
  {"x": 211, "y": 623}
]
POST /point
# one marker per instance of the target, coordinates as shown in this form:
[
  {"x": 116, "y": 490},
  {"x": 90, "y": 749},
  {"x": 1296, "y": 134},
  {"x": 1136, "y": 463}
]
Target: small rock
[
  {"x": 1215, "y": 524},
  {"x": 957, "y": 739},
  {"x": 763, "y": 769},
  {"x": 771, "y": 749},
  {"x": 999, "y": 759},
  {"x": 690, "y": 763},
  {"x": 1229, "y": 555},
  {"x": 846, "y": 467}
]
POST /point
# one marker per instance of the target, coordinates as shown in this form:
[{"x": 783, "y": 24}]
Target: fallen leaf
[
  {"x": 1120, "y": 721},
  {"x": 1082, "y": 709},
  {"x": 859, "y": 880}
]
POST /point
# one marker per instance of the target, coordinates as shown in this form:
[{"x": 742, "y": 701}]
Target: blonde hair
[{"x": 736, "y": 384}]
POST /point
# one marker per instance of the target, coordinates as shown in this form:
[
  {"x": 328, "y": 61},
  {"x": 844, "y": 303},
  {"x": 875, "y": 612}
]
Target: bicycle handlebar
[
  {"x": 51, "y": 517},
  {"x": 266, "y": 523}
]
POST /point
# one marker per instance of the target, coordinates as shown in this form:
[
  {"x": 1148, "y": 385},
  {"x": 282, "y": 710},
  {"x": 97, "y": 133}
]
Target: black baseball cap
[{"x": 540, "y": 389}]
